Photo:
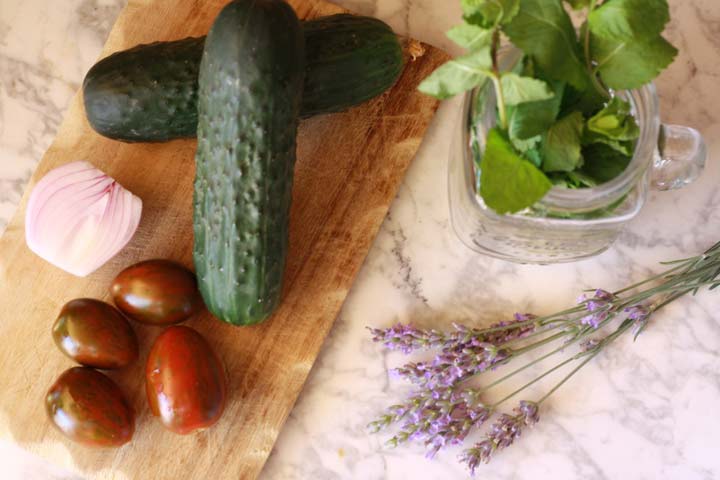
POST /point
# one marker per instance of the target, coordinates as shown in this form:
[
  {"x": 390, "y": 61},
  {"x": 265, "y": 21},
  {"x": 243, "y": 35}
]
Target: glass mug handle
[{"x": 680, "y": 159}]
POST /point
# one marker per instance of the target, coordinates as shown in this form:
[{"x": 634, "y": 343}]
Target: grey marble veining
[
  {"x": 39, "y": 73},
  {"x": 643, "y": 410}
]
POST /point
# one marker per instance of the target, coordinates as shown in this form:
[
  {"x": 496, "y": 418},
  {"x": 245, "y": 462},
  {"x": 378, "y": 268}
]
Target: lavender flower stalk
[
  {"x": 502, "y": 434},
  {"x": 444, "y": 409}
]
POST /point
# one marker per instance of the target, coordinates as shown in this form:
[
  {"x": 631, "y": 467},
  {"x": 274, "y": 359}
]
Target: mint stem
[
  {"x": 502, "y": 113},
  {"x": 588, "y": 61}
]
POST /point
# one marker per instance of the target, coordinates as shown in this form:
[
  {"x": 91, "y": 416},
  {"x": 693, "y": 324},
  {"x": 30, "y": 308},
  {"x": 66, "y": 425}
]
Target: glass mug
[{"x": 567, "y": 224}]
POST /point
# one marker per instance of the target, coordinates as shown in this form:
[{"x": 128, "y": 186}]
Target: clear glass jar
[{"x": 567, "y": 224}]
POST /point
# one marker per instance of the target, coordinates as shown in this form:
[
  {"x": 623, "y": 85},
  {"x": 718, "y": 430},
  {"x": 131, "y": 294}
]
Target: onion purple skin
[{"x": 78, "y": 218}]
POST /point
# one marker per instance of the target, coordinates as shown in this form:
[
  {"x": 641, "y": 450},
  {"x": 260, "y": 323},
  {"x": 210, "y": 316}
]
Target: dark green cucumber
[
  {"x": 350, "y": 60},
  {"x": 250, "y": 88},
  {"x": 149, "y": 93}
]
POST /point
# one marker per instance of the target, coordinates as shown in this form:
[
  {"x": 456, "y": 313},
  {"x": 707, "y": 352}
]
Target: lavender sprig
[
  {"x": 443, "y": 411},
  {"x": 437, "y": 417},
  {"x": 502, "y": 434},
  {"x": 408, "y": 338}
]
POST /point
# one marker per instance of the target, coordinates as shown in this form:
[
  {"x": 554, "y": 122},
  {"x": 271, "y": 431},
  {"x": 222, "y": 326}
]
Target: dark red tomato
[
  {"x": 185, "y": 381},
  {"x": 95, "y": 334},
  {"x": 157, "y": 292},
  {"x": 89, "y": 408}
]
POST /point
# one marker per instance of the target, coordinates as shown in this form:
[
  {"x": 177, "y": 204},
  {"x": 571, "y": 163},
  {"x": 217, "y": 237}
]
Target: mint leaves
[
  {"x": 604, "y": 163},
  {"x": 519, "y": 89},
  {"x": 509, "y": 183},
  {"x": 629, "y": 19},
  {"x": 543, "y": 30},
  {"x": 458, "y": 75},
  {"x": 533, "y": 118},
  {"x": 470, "y": 37},
  {"x": 626, "y": 42},
  {"x": 627, "y": 64},
  {"x": 489, "y": 13},
  {"x": 557, "y": 122},
  {"x": 615, "y": 121},
  {"x": 561, "y": 144},
  {"x": 578, "y": 4}
]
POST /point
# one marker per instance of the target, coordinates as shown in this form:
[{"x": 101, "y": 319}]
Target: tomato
[
  {"x": 185, "y": 381},
  {"x": 90, "y": 409},
  {"x": 95, "y": 334},
  {"x": 157, "y": 292}
]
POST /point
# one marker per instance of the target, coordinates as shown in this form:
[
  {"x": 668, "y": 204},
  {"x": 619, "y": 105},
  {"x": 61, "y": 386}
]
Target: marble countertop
[{"x": 646, "y": 410}]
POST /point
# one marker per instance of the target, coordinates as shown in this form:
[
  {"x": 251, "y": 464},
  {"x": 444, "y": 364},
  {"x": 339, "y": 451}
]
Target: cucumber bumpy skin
[
  {"x": 251, "y": 81},
  {"x": 146, "y": 93},
  {"x": 149, "y": 92}
]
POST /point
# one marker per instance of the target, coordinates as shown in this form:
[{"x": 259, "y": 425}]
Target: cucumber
[
  {"x": 149, "y": 93},
  {"x": 350, "y": 60},
  {"x": 250, "y": 88}
]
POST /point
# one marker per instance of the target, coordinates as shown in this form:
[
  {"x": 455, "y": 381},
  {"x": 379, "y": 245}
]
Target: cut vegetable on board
[{"x": 78, "y": 218}]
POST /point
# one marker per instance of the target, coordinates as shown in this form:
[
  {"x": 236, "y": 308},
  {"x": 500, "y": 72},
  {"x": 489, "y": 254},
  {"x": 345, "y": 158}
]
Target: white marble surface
[{"x": 640, "y": 411}]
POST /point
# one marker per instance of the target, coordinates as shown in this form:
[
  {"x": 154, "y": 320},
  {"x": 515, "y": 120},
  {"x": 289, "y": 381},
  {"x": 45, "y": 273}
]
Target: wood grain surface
[{"x": 349, "y": 168}]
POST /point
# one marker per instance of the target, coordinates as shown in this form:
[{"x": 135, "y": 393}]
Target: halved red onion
[{"x": 78, "y": 218}]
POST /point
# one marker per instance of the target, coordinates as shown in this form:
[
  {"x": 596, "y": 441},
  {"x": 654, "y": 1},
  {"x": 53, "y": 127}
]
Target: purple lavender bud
[
  {"x": 529, "y": 410},
  {"x": 602, "y": 299},
  {"x": 460, "y": 327},
  {"x": 472, "y": 458},
  {"x": 524, "y": 317},
  {"x": 637, "y": 312},
  {"x": 432, "y": 451},
  {"x": 480, "y": 453},
  {"x": 595, "y": 319},
  {"x": 595, "y": 305},
  {"x": 589, "y": 344},
  {"x": 438, "y": 418},
  {"x": 502, "y": 434},
  {"x": 405, "y": 338},
  {"x": 604, "y": 295}
]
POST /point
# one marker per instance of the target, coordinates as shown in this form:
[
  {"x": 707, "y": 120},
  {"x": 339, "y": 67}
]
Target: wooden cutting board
[{"x": 348, "y": 170}]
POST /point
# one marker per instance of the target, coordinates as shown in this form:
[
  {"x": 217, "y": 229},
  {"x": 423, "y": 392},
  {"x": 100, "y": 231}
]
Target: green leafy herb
[
  {"x": 458, "y": 75},
  {"x": 543, "y": 30},
  {"x": 603, "y": 163},
  {"x": 629, "y": 64},
  {"x": 470, "y": 37},
  {"x": 489, "y": 13},
  {"x": 509, "y": 183},
  {"x": 615, "y": 121},
  {"x": 561, "y": 145},
  {"x": 588, "y": 101},
  {"x": 523, "y": 146},
  {"x": 519, "y": 89},
  {"x": 620, "y": 146},
  {"x": 558, "y": 121},
  {"x": 534, "y": 156},
  {"x": 531, "y": 119},
  {"x": 613, "y": 126},
  {"x": 629, "y": 19},
  {"x": 578, "y": 179},
  {"x": 572, "y": 180},
  {"x": 578, "y": 4}
]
